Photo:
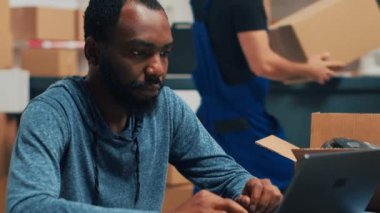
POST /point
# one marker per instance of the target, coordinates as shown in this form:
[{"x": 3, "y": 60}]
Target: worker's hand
[
  {"x": 260, "y": 195},
  {"x": 323, "y": 69},
  {"x": 333, "y": 65},
  {"x": 205, "y": 201}
]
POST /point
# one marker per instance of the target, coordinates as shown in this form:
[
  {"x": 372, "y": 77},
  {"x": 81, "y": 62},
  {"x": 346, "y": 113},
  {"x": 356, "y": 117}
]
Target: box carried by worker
[{"x": 348, "y": 29}]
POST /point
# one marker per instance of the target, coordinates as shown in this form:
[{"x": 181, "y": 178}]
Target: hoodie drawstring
[
  {"x": 137, "y": 158},
  {"x": 137, "y": 127},
  {"x": 96, "y": 169}
]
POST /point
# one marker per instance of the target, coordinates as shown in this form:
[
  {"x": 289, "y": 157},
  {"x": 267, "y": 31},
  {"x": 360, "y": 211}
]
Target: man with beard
[{"x": 103, "y": 143}]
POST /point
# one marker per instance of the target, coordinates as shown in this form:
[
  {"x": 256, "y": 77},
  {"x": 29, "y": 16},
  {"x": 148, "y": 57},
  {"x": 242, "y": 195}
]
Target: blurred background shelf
[
  {"x": 292, "y": 105},
  {"x": 48, "y": 44}
]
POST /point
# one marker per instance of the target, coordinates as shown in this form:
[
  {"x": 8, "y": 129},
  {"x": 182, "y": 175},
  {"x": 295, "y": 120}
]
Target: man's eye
[
  {"x": 138, "y": 53},
  {"x": 164, "y": 53}
]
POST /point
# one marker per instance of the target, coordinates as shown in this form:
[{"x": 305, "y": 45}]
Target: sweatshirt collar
[{"x": 91, "y": 115}]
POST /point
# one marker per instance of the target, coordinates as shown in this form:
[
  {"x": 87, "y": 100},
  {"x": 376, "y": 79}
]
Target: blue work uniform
[{"x": 235, "y": 115}]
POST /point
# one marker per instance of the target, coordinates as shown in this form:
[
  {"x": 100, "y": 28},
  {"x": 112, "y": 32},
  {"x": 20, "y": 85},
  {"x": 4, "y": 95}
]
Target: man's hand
[
  {"x": 205, "y": 201},
  {"x": 323, "y": 68},
  {"x": 260, "y": 195}
]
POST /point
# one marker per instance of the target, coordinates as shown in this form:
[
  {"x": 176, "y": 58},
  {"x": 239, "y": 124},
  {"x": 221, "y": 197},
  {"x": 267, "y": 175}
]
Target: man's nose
[{"x": 157, "y": 65}]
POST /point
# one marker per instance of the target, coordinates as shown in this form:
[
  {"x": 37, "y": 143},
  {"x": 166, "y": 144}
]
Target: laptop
[{"x": 333, "y": 182}]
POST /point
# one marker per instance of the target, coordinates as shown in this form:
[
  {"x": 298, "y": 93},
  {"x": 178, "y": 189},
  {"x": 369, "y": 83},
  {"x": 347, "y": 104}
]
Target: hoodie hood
[{"x": 89, "y": 111}]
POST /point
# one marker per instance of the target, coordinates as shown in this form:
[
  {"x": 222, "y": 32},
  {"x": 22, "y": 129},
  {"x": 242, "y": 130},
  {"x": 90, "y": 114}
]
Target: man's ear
[{"x": 92, "y": 51}]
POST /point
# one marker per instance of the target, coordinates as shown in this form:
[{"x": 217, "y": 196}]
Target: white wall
[
  {"x": 177, "y": 10},
  {"x": 191, "y": 98},
  {"x": 16, "y": 81},
  {"x": 67, "y": 4}
]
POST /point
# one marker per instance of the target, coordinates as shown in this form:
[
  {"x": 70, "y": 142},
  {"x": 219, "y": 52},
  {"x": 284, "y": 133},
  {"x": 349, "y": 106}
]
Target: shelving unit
[{"x": 49, "y": 44}]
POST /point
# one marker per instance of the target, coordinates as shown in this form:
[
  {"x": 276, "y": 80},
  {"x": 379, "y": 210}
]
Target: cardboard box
[
  {"x": 365, "y": 127},
  {"x": 8, "y": 129},
  {"x": 79, "y": 21},
  {"x": 50, "y": 62},
  {"x": 278, "y": 9},
  {"x": 175, "y": 178},
  {"x": 5, "y": 15},
  {"x": 175, "y": 196},
  {"x": 295, "y": 153},
  {"x": 347, "y": 29},
  {"x": 283, "y": 8},
  {"x": 14, "y": 91},
  {"x": 3, "y": 193},
  {"x": 325, "y": 126},
  {"x": 6, "y": 49},
  {"x": 43, "y": 23}
]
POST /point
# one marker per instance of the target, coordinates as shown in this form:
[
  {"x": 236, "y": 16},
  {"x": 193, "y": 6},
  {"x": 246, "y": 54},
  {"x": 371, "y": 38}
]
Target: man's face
[{"x": 134, "y": 62}]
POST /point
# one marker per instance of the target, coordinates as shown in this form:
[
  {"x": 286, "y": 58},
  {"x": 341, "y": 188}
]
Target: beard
[{"x": 125, "y": 93}]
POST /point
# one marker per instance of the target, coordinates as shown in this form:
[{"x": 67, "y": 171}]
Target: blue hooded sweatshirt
[{"x": 67, "y": 159}]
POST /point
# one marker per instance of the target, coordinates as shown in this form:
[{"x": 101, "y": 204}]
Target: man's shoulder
[
  {"x": 168, "y": 99},
  {"x": 166, "y": 93},
  {"x": 57, "y": 95}
]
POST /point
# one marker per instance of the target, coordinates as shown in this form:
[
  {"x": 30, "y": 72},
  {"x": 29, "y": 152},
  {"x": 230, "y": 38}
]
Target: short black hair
[{"x": 102, "y": 16}]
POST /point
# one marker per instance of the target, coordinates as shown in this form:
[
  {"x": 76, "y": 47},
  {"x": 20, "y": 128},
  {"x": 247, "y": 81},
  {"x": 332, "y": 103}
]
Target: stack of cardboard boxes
[
  {"x": 6, "y": 41},
  {"x": 23, "y": 25},
  {"x": 8, "y": 128},
  {"x": 178, "y": 190},
  {"x": 48, "y": 24}
]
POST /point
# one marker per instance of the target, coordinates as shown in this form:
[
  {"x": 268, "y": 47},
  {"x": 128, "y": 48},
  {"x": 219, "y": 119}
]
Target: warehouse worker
[
  {"x": 102, "y": 143},
  {"x": 235, "y": 62}
]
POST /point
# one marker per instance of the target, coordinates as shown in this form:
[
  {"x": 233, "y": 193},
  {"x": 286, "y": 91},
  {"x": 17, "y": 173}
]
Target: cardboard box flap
[
  {"x": 279, "y": 146},
  {"x": 291, "y": 151},
  {"x": 175, "y": 178}
]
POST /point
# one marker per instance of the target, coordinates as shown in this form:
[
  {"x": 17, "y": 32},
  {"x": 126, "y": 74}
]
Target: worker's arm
[{"x": 266, "y": 63}]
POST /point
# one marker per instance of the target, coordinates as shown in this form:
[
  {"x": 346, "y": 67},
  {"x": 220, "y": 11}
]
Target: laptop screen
[{"x": 333, "y": 182}]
